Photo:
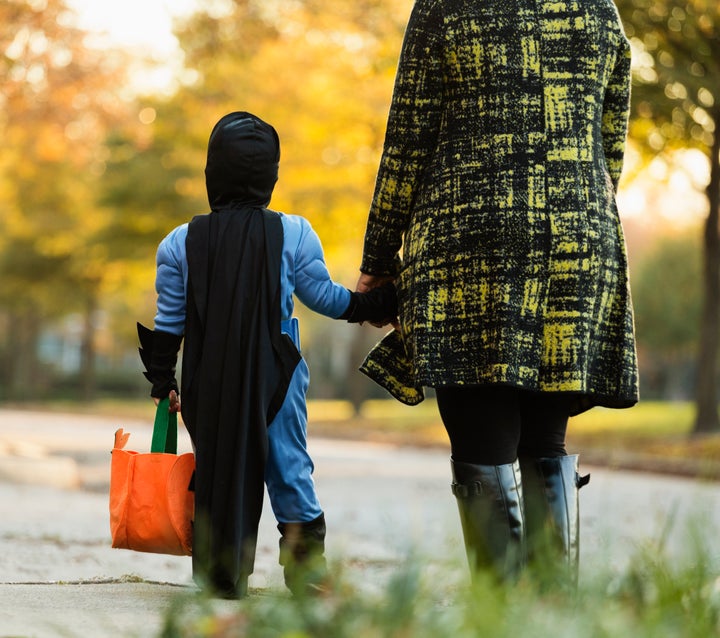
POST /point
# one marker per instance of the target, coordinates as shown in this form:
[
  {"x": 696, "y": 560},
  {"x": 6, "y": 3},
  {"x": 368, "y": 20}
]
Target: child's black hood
[{"x": 242, "y": 161}]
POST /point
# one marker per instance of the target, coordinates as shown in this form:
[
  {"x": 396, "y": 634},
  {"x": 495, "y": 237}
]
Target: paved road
[{"x": 59, "y": 576}]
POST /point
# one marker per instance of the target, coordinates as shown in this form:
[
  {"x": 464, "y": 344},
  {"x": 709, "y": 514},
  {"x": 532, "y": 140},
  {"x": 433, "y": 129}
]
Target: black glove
[
  {"x": 158, "y": 352},
  {"x": 377, "y": 304}
]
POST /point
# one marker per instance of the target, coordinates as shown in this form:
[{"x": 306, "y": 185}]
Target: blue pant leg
[{"x": 288, "y": 473}]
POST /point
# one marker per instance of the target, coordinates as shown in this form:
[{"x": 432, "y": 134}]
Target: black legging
[{"x": 493, "y": 425}]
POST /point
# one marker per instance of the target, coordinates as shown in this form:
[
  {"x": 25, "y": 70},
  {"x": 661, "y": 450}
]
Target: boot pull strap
[
  {"x": 464, "y": 491},
  {"x": 581, "y": 481}
]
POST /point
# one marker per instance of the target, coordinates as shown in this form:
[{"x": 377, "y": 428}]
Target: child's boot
[{"x": 302, "y": 549}]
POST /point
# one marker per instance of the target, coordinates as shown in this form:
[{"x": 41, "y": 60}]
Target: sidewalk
[{"x": 60, "y": 577}]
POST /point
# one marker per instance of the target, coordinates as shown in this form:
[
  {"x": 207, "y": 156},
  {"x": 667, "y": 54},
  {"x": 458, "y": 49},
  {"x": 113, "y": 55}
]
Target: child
[{"x": 225, "y": 283}]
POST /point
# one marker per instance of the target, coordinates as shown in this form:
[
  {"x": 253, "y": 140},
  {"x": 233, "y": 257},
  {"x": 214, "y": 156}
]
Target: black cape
[{"x": 236, "y": 369}]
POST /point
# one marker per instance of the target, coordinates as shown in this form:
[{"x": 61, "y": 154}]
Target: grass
[{"x": 655, "y": 598}]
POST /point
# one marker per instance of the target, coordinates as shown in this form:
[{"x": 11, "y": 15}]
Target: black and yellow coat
[{"x": 503, "y": 152}]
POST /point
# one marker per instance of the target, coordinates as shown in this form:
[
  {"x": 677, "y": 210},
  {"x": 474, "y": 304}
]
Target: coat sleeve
[
  {"x": 616, "y": 110},
  {"x": 412, "y": 132}
]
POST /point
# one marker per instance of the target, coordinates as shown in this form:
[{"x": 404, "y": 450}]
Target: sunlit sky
[
  {"x": 672, "y": 196},
  {"x": 143, "y": 26},
  {"x": 131, "y": 23}
]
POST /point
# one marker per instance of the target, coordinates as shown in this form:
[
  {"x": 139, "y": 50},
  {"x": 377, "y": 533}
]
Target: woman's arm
[
  {"x": 616, "y": 109},
  {"x": 411, "y": 135}
]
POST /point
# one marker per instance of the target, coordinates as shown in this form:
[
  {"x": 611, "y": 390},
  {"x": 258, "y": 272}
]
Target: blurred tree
[
  {"x": 321, "y": 73},
  {"x": 667, "y": 291},
  {"x": 56, "y": 99},
  {"x": 676, "y": 104},
  {"x": 151, "y": 184}
]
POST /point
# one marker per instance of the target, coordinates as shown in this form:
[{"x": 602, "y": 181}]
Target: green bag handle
[{"x": 164, "y": 437}]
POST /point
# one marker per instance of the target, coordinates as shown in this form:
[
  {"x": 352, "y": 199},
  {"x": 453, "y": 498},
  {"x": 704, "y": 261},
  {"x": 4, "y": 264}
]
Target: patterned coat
[{"x": 503, "y": 152}]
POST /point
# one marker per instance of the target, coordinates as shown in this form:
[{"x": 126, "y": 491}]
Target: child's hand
[
  {"x": 378, "y": 306},
  {"x": 174, "y": 401},
  {"x": 369, "y": 282}
]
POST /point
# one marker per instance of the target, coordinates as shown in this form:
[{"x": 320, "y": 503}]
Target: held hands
[{"x": 369, "y": 282}]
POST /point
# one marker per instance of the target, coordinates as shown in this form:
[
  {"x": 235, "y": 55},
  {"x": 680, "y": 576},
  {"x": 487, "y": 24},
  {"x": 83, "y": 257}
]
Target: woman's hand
[{"x": 368, "y": 282}]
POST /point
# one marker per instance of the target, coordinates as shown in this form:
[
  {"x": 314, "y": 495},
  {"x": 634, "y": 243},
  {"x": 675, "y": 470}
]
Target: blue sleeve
[
  {"x": 170, "y": 282},
  {"x": 313, "y": 285}
]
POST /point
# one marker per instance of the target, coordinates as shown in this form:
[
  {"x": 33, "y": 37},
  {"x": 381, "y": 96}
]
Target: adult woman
[{"x": 503, "y": 152}]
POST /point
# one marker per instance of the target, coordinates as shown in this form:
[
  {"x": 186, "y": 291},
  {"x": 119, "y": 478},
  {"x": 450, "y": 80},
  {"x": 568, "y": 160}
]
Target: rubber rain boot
[
  {"x": 490, "y": 503},
  {"x": 552, "y": 516}
]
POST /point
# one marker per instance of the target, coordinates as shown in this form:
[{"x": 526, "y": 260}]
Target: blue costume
[
  {"x": 225, "y": 284},
  {"x": 288, "y": 472}
]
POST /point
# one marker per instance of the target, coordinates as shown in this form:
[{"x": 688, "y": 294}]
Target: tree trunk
[
  {"x": 23, "y": 373},
  {"x": 356, "y": 381},
  {"x": 87, "y": 350},
  {"x": 706, "y": 419}
]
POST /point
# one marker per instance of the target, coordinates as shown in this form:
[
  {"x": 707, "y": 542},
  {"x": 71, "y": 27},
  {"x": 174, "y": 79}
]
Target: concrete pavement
[{"x": 60, "y": 577}]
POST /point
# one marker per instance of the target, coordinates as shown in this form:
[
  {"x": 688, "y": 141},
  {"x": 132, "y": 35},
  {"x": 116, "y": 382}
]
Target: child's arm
[
  {"x": 315, "y": 288},
  {"x": 159, "y": 347},
  {"x": 170, "y": 282},
  {"x": 313, "y": 285}
]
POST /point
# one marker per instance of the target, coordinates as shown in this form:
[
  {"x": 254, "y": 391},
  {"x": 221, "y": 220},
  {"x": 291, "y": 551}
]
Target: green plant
[{"x": 657, "y": 596}]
